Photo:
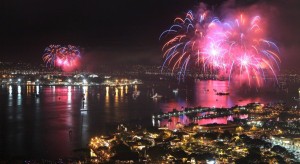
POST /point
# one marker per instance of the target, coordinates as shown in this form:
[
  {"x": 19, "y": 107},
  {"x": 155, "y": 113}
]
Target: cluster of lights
[
  {"x": 97, "y": 142},
  {"x": 100, "y": 148}
]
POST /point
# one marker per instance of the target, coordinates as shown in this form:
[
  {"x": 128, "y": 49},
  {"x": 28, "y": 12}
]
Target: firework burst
[
  {"x": 66, "y": 57},
  {"x": 185, "y": 45},
  {"x": 235, "y": 47}
]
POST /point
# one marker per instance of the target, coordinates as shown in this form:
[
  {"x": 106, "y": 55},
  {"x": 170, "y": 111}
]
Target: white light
[
  {"x": 84, "y": 81},
  {"x": 211, "y": 162},
  {"x": 19, "y": 80},
  {"x": 37, "y": 80},
  {"x": 69, "y": 80}
]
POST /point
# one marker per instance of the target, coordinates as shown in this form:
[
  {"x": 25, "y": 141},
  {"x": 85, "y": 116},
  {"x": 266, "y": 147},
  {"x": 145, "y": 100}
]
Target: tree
[
  {"x": 124, "y": 153},
  {"x": 226, "y": 135},
  {"x": 156, "y": 153},
  {"x": 280, "y": 150},
  {"x": 254, "y": 156}
]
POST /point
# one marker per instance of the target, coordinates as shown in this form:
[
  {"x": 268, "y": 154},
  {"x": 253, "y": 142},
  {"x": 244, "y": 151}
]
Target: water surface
[{"x": 64, "y": 118}]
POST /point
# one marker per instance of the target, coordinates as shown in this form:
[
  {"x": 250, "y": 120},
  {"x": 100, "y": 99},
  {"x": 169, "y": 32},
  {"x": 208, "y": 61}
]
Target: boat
[
  {"x": 135, "y": 94},
  {"x": 156, "y": 96},
  {"x": 175, "y": 90},
  {"x": 222, "y": 93}
]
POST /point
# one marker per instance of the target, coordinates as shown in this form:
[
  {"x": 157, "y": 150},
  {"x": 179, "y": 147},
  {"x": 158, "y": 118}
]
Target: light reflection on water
[
  {"x": 37, "y": 89},
  {"x": 204, "y": 93},
  {"x": 19, "y": 99},
  {"x": 41, "y": 125},
  {"x": 10, "y": 102},
  {"x": 69, "y": 96}
]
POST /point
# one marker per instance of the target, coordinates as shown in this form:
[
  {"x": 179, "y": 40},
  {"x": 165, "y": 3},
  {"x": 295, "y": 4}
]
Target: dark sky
[{"x": 120, "y": 32}]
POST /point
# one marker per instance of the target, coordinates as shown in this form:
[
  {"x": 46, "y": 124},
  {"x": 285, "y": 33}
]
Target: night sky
[{"x": 125, "y": 31}]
